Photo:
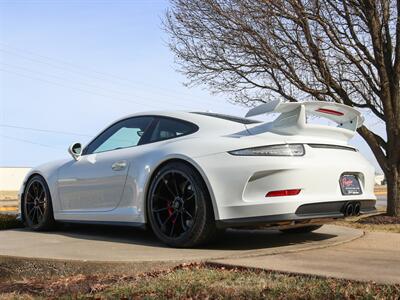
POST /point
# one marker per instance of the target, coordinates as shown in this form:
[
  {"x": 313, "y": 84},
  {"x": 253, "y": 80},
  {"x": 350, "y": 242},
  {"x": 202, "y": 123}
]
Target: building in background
[{"x": 11, "y": 178}]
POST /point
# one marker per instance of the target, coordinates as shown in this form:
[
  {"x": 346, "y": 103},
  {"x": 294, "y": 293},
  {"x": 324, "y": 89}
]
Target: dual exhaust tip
[{"x": 352, "y": 209}]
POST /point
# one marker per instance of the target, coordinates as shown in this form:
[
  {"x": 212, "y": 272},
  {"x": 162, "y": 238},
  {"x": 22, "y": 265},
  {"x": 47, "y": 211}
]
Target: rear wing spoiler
[{"x": 293, "y": 118}]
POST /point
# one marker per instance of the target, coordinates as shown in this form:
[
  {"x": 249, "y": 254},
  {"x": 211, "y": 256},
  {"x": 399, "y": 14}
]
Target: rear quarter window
[{"x": 169, "y": 128}]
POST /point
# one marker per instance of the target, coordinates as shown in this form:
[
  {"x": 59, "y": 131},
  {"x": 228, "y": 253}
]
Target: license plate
[{"x": 350, "y": 185}]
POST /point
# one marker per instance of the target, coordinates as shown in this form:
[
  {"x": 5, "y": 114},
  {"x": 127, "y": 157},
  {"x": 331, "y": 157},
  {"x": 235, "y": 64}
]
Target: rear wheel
[
  {"x": 179, "y": 207},
  {"x": 37, "y": 207},
  {"x": 303, "y": 229}
]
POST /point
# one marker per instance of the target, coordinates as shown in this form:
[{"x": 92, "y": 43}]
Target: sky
[{"x": 69, "y": 68}]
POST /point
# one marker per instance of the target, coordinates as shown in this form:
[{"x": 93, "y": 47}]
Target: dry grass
[
  {"x": 197, "y": 281},
  {"x": 380, "y": 189},
  {"x": 8, "y": 195},
  {"x": 9, "y": 222},
  {"x": 376, "y": 222},
  {"x": 395, "y": 228}
]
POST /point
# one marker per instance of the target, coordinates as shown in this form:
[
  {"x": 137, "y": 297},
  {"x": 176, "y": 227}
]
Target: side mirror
[{"x": 75, "y": 150}]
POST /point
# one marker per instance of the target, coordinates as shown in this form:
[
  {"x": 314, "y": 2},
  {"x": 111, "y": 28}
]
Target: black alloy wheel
[
  {"x": 37, "y": 207},
  {"x": 179, "y": 206}
]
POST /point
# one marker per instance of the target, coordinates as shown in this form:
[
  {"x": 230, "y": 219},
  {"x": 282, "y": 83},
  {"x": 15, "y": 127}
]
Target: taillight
[
  {"x": 272, "y": 150},
  {"x": 281, "y": 193}
]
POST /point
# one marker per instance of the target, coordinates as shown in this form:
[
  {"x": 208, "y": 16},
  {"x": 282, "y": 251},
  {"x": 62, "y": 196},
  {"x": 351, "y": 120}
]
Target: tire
[
  {"x": 179, "y": 207},
  {"x": 304, "y": 229},
  {"x": 36, "y": 206}
]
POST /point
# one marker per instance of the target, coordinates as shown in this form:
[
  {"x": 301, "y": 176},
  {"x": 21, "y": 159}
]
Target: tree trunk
[{"x": 393, "y": 191}]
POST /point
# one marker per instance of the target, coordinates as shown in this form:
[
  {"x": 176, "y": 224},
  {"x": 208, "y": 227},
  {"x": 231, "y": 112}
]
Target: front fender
[{"x": 49, "y": 172}]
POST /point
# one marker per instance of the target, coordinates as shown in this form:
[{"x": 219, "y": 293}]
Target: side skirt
[{"x": 111, "y": 223}]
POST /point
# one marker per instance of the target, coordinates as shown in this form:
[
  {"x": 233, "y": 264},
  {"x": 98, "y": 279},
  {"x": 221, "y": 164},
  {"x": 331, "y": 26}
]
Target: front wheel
[
  {"x": 36, "y": 206},
  {"x": 179, "y": 207},
  {"x": 303, "y": 229}
]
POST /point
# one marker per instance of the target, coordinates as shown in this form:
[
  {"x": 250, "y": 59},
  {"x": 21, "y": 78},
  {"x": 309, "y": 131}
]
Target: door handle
[{"x": 119, "y": 165}]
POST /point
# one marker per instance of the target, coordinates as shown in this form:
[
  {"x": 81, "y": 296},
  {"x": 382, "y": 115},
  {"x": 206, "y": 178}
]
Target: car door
[{"x": 95, "y": 182}]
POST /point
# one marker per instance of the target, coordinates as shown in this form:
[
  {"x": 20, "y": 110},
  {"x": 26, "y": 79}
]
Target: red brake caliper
[
  {"x": 169, "y": 209},
  {"x": 170, "y": 212}
]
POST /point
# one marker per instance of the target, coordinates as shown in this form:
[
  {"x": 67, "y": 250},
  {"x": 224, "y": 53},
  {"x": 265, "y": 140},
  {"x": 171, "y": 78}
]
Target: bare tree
[{"x": 345, "y": 51}]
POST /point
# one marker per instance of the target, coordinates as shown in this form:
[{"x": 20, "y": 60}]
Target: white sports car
[{"x": 188, "y": 174}]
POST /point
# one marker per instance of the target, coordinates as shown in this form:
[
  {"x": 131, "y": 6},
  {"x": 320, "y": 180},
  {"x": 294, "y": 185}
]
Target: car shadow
[
  {"x": 230, "y": 239},
  {"x": 252, "y": 239}
]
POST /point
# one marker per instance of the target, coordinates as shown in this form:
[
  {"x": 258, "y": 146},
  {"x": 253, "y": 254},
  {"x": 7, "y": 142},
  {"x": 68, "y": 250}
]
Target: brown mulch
[
  {"x": 53, "y": 288},
  {"x": 380, "y": 220}
]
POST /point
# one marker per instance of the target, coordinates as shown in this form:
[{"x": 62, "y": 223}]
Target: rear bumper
[
  {"x": 315, "y": 213},
  {"x": 239, "y": 184}
]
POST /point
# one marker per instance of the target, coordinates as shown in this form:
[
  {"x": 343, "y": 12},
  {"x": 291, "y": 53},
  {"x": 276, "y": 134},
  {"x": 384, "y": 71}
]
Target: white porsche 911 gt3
[{"x": 187, "y": 174}]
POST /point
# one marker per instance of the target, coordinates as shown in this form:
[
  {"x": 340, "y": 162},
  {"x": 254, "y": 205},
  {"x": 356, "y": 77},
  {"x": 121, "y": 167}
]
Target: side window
[
  {"x": 167, "y": 128},
  {"x": 124, "y": 134}
]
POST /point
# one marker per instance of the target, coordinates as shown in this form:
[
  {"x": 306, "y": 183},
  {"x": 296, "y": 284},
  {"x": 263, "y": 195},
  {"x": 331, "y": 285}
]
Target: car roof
[{"x": 207, "y": 125}]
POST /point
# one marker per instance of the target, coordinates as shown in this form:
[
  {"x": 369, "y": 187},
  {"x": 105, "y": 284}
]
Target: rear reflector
[
  {"x": 330, "y": 111},
  {"x": 283, "y": 193}
]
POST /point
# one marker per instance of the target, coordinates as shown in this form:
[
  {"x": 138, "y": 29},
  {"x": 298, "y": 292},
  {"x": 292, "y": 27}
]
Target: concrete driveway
[
  {"x": 331, "y": 251},
  {"x": 374, "y": 257},
  {"x": 121, "y": 244}
]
